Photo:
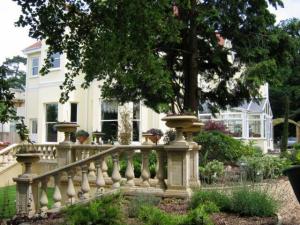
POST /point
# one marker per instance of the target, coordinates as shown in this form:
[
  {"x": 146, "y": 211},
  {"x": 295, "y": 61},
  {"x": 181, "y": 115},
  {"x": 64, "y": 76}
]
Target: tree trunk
[
  {"x": 190, "y": 63},
  {"x": 285, "y": 132}
]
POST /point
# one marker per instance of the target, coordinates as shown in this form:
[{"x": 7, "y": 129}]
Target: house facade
[{"x": 85, "y": 106}]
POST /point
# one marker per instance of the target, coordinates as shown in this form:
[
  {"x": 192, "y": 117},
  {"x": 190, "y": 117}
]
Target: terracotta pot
[
  {"x": 293, "y": 174},
  {"x": 155, "y": 138},
  {"x": 82, "y": 139}
]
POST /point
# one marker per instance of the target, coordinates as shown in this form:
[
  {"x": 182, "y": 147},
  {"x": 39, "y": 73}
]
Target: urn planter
[
  {"x": 179, "y": 122},
  {"x": 98, "y": 135},
  {"x": 28, "y": 159},
  {"x": 293, "y": 174},
  {"x": 67, "y": 128}
]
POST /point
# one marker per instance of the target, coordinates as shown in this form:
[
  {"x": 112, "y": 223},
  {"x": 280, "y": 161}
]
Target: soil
[{"x": 233, "y": 219}]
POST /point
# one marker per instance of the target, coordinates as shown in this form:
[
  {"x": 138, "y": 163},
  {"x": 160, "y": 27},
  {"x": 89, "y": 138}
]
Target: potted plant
[
  {"x": 82, "y": 136},
  {"x": 156, "y": 135},
  {"x": 293, "y": 174}
]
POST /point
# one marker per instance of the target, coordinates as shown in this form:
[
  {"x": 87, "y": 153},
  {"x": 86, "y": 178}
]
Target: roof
[{"x": 35, "y": 46}]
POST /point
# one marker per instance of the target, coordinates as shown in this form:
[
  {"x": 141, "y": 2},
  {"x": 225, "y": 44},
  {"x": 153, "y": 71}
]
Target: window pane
[
  {"x": 235, "y": 127},
  {"x": 110, "y": 128},
  {"x": 73, "y": 112},
  {"x": 136, "y": 130},
  {"x": 254, "y": 128},
  {"x": 51, "y": 112},
  {"x": 55, "y": 60},
  {"x": 254, "y": 117},
  {"x": 136, "y": 111},
  {"x": 35, "y": 66},
  {"x": 109, "y": 110},
  {"x": 51, "y": 133},
  {"x": 35, "y": 71},
  {"x": 34, "y": 127}
]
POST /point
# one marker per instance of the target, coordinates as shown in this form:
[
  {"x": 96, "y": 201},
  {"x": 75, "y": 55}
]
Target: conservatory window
[
  {"x": 235, "y": 127},
  {"x": 254, "y": 126}
]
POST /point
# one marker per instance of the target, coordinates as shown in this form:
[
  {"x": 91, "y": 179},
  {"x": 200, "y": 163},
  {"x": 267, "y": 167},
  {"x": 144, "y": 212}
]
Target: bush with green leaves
[
  {"x": 141, "y": 200},
  {"x": 211, "y": 171},
  {"x": 247, "y": 202},
  {"x": 219, "y": 146},
  {"x": 263, "y": 167},
  {"x": 220, "y": 199},
  {"x": 105, "y": 211}
]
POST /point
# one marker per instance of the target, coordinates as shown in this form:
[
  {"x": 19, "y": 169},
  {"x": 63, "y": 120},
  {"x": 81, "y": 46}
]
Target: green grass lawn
[{"x": 8, "y": 198}]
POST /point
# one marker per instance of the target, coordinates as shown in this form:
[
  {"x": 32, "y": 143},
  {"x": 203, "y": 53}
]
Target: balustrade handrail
[
  {"x": 8, "y": 148},
  {"x": 112, "y": 150}
]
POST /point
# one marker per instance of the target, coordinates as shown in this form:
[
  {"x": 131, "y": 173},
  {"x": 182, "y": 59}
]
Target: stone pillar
[
  {"x": 178, "y": 171},
  {"x": 65, "y": 155},
  {"x": 26, "y": 189},
  {"x": 194, "y": 165},
  {"x": 298, "y": 132}
]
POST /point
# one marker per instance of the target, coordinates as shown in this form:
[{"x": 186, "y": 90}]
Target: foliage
[
  {"x": 259, "y": 167},
  {"x": 16, "y": 77},
  {"x": 153, "y": 216},
  {"x": 247, "y": 202},
  {"x": 141, "y": 200},
  {"x": 125, "y": 127},
  {"x": 219, "y": 126},
  {"x": 82, "y": 133},
  {"x": 22, "y": 131},
  {"x": 220, "y": 199},
  {"x": 244, "y": 201},
  {"x": 211, "y": 171},
  {"x": 200, "y": 215},
  {"x": 148, "y": 51},
  {"x": 170, "y": 135},
  {"x": 106, "y": 211},
  {"x": 155, "y": 131},
  {"x": 216, "y": 145}
]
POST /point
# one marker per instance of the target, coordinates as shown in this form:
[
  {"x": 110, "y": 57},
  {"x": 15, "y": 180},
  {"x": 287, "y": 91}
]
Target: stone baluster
[
  {"x": 5, "y": 159},
  {"x": 160, "y": 169},
  {"x": 10, "y": 157},
  {"x": 130, "y": 169},
  {"x": 145, "y": 168},
  {"x": 85, "y": 186},
  {"x": 44, "y": 152},
  {"x": 57, "y": 194},
  {"x": 104, "y": 168},
  {"x": 100, "y": 182},
  {"x": 44, "y": 197},
  {"x": 116, "y": 176},
  {"x": 71, "y": 193},
  {"x": 92, "y": 169},
  {"x": 1, "y": 160},
  {"x": 49, "y": 152}
]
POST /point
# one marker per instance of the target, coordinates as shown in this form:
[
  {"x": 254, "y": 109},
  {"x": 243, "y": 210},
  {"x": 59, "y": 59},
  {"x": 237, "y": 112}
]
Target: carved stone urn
[
  {"x": 195, "y": 127},
  {"x": 67, "y": 128},
  {"x": 98, "y": 135},
  {"x": 28, "y": 158},
  {"x": 147, "y": 136},
  {"x": 179, "y": 122}
]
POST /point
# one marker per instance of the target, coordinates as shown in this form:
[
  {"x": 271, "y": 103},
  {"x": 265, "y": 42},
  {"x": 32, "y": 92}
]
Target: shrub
[
  {"x": 211, "y": 171},
  {"x": 106, "y": 211},
  {"x": 219, "y": 126},
  {"x": 141, "y": 200},
  {"x": 259, "y": 167},
  {"x": 82, "y": 133},
  {"x": 247, "y": 202},
  {"x": 200, "y": 215},
  {"x": 170, "y": 135},
  {"x": 153, "y": 216},
  {"x": 220, "y": 199},
  {"x": 216, "y": 145}
]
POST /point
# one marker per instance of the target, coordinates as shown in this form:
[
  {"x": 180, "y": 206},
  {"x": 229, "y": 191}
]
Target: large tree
[
  {"x": 157, "y": 51},
  {"x": 285, "y": 95},
  {"x": 15, "y": 73}
]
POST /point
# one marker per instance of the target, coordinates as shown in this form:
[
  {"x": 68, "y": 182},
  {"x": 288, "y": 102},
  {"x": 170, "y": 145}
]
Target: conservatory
[{"x": 250, "y": 121}]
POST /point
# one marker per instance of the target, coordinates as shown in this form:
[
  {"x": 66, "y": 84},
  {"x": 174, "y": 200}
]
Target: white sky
[{"x": 13, "y": 40}]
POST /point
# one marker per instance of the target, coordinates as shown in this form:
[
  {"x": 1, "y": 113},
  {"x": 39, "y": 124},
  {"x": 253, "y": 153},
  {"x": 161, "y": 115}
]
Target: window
[
  {"x": 73, "y": 118},
  {"x": 110, "y": 123},
  {"x": 109, "y": 120},
  {"x": 55, "y": 60},
  {"x": 34, "y": 127},
  {"x": 73, "y": 112},
  {"x": 35, "y": 66},
  {"x": 136, "y": 122},
  {"x": 254, "y": 126},
  {"x": 51, "y": 119}
]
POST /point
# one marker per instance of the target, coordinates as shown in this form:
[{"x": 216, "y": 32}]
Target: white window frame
[
  {"x": 52, "y": 122},
  {"x": 33, "y": 67},
  {"x": 52, "y": 62}
]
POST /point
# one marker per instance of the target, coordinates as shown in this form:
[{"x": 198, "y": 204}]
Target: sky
[{"x": 13, "y": 39}]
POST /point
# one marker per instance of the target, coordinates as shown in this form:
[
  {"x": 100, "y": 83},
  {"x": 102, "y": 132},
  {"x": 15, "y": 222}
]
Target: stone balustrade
[
  {"x": 80, "y": 181},
  {"x": 7, "y": 155}
]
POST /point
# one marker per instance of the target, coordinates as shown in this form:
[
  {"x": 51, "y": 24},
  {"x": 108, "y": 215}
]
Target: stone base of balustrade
[{"x": 184, "y": 193}]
